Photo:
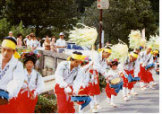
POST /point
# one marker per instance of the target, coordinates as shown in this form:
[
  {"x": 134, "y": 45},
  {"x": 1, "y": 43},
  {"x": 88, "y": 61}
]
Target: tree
[
  {"x": 42, "y": 14},
  {"x": 121, "y": 17}
]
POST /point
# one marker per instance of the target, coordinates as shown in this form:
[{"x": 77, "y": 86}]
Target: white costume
[
  {"x": 100, "y": 65},
  {"x": 64, "y": 76},
  {"x": 12, "y": 77},
  {"x": 145, "y": 58},
  {"x": 34, "y": 82}
]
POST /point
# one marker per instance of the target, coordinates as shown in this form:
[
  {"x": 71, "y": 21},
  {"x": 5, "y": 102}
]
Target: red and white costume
[
  {"x": 64, "y": 81},
  {"x": 145, "y": 75},
  {"x": 34, "y": 84},
  {"x": 11, "y": 80}
]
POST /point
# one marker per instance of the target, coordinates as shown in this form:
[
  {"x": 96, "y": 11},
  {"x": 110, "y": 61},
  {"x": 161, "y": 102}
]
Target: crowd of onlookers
[{"x": 47, "y": 43}]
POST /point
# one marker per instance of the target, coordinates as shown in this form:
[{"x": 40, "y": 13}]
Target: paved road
[{"x": 147, "y": 101}]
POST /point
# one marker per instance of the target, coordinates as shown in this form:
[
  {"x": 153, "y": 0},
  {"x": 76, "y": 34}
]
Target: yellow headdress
[
  {"x": 76, "y": 57},
  {"x": 10, "y": 42},
  {"x": 135, "y": 55},
  {"x": 105, "y": 49},
  {"x": 155, "y": 52}
]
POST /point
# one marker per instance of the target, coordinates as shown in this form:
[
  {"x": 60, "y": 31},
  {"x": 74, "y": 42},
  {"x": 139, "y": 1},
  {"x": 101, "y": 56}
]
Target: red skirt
[
  {"x": 27, "y": 105},
  {"x": 94, "y": 89},
  {"x": 110, "y": 91},
  {"x": 21, "y": 104},
  {"x": 130, "y": 84},
  {"x": 11, "y": 107},
  {"x": 145, "y": 75},
  {"x": 64, "y": 105}
]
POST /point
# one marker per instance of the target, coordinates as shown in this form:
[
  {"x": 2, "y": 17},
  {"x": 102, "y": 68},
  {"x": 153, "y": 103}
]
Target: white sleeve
[
  {"x": 16, "y": 83},
  {"x": 97, "y": 66},
  {"x": 59, "y": 75},
  {"x": 40, "y": 84},
  {"x": 78, "y": 82}
]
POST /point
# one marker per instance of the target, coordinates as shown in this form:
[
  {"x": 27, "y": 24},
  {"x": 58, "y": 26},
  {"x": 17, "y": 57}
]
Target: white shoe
[
  {"x": 129, "y": 96},
  {"x": 151, "y": 87},
  {"x": 134, "y": 93},
  {"x": 125, "y": 98},
  {"x": 143, "y": 88},
  {"x": 98, "y": 106},
  {"x": 154, "y": 84},
  {"x": 94, "y": 110},
  {"x": 114, "y": 105}
]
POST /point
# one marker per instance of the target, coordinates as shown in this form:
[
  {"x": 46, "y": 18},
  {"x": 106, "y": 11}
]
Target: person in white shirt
[
  {"x": 65, "y": 74},
  {"x": 146, "y": 58},
  {"x": 11, "y": 74},
  {"x": 130, "y": 67},
  {"x": 114, "y": 73},
  {"x": 101, "y": 65},
  {"x": 33, "y": 85},
  {"x": 61, "y": 43},
  {"x": 29, "y": 42}
]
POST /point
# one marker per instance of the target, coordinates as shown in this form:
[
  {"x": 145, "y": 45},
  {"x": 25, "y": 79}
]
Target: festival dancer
[
  {"x": 81, "y": 89},
  {"x": 130, "y": 67},
  {"x": 65, "y": 74},
  {"x": 32, "y": 87},
  {"x": 11, "y": 76},
  {"x": 146, "y": 64},
  {"x": 100, "y": 66},
  {"x": 114, "y": 81}
]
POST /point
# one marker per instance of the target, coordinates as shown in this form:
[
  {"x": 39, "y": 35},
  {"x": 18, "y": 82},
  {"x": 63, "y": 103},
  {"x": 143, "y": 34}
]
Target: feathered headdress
[
  {"x": 119, "y": 51},
  {"x": 136, "y": 40},
  {"x": 85, "y": 36},
  {"x": 153, "y": 42}
]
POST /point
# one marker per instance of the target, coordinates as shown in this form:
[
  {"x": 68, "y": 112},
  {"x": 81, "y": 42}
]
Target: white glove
[{"x": 68, "y": 90}]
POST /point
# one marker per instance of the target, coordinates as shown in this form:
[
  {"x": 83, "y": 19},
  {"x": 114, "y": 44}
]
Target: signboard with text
[{"x": 102, "y": 4}]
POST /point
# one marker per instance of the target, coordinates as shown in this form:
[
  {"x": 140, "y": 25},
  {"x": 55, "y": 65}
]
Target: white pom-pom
[{"x": 85, "y": 36}]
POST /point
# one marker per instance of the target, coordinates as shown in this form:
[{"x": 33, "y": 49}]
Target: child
[
  {"x": 112, "y": 88},
  {"x": 32, "y": 87}
]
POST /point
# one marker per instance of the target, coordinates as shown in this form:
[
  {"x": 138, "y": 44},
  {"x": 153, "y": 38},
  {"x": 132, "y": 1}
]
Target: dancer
[
  {"x": 11, "y": 76},
  {"x": 32, "y": 87},
  {"x": 65, "y": 74}
]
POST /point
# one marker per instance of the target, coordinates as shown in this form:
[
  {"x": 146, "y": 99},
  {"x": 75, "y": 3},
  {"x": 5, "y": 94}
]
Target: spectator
[
  {"x": 61, "y": 43},
  {"x": 25, "y": 40},
  {"x": 46, "y": 43},
  {"x": 29, "y": 42},
  {"x": 39, "y": 42},
  {"x": 34, "y": 42},
  {"x": 10, "y": 34},
  {"x": 19, "y": 40},
  {"x": 53, "y": 44}
]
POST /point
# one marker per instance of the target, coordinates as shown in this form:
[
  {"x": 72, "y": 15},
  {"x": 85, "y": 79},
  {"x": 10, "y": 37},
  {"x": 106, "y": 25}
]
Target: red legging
[
  {"x": 130, "y": 84},
  {"x": 64, "y": 104},
  {"x": 110, "y": 91}
]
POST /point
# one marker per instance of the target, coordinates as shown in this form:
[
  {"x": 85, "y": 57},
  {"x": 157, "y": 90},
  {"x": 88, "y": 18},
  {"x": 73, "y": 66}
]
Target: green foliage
[
  {"x": 4, "y": 28},
  {"x": 21, "y": 29},
  {"x": 121, "y": 17},
  {"x": 46, "y": 104},
  {"x": 42, "y": 14}
]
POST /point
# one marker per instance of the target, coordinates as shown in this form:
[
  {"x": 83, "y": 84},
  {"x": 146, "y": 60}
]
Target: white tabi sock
[
  {"x": 92, "y": 104},
  {"x": 142, "y": 84},
  {"x": 124, "y": 91}
]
